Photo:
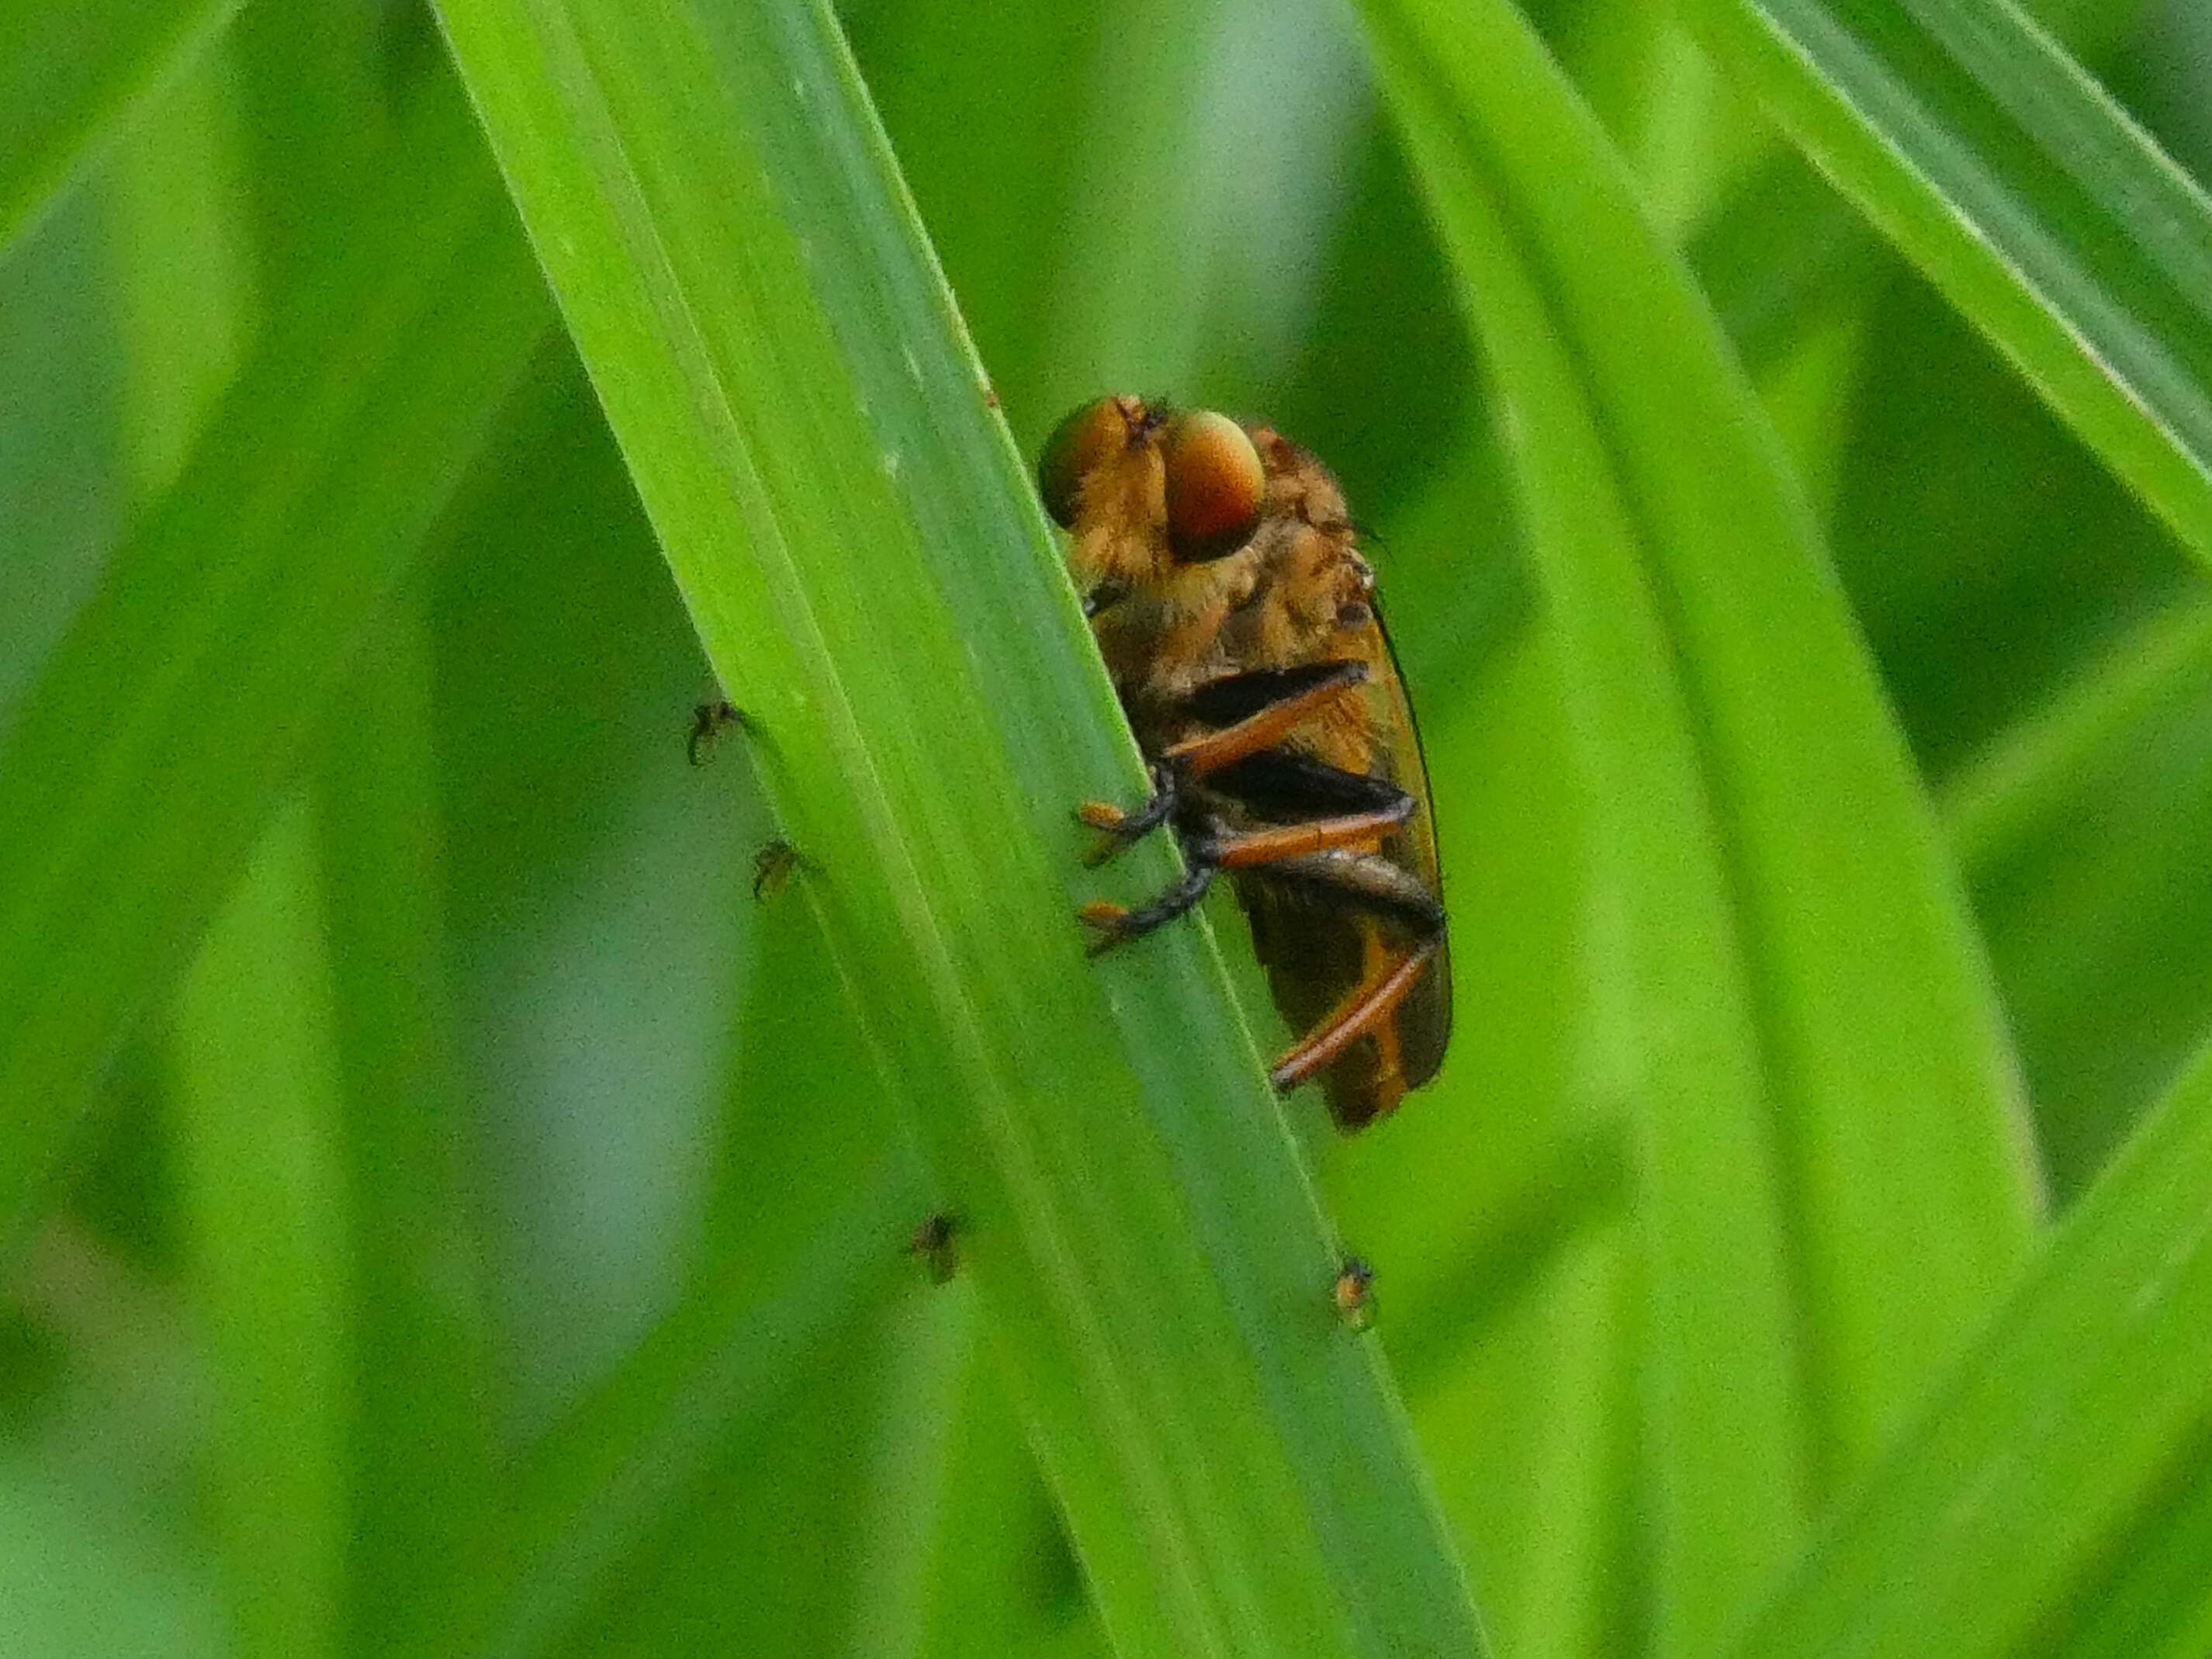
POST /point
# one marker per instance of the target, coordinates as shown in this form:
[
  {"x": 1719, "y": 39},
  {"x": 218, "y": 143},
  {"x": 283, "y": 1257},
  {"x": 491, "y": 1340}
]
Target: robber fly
[{"x": 1225, "y": 588}]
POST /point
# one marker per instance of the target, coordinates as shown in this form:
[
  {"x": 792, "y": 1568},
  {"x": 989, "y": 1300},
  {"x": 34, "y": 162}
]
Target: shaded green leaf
[
  {"x": 263, "y": 1193},
  {"x": 420, "y": 1426},
  {"x": 2001, "y": 169},
  {"x": 1833, "y": 1179},
  {"x": 2063, "y": 1462},
  {"x": 73, "y": 74},
  {"x": 142, "y": 761}
]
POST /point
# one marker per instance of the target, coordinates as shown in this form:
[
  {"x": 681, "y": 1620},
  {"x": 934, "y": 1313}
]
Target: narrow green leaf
[
  {"x": 2152, "y": 1604},
  {"x": 872, "y": 577},
  {"x": 419, "y": 1446},
  {"x": 581, "y": 1513},
  {"x": 73, "y": 74},
  {"x": 179, "y": 283},
  {"x": 2031, "y": 775},
  {"x": 2001, "y": 169},
  {"x": 1779, "y": 255},
  {"x": 142, "y": 761},
  {"x": 82, "y": 1574},
  {"x": 1834, "y": 1179},
  {"x": 2082, "y": 832},
  {"x": 1001, "y": 1576},
  {"x": 2067, "y": 1447},
  {"x": 263, "y": 1182},
  {"x": 1485, "y": 1202}
]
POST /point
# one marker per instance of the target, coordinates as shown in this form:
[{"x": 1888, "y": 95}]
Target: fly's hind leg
[{"x": 1373, "y": 883}]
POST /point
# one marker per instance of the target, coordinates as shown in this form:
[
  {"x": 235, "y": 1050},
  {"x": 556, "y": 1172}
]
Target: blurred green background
[{"x": 489, "y": 1237}]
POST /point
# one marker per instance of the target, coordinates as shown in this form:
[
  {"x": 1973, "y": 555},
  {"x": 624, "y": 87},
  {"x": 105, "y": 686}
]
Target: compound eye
[
  {"x": 1216, "y": 486},
  {"x": 1093, "y": 434}
]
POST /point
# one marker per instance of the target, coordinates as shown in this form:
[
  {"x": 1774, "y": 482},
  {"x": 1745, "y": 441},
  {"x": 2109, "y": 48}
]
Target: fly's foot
[
  {"x": 772, "y": 867},
  {"x": 1118, "y": 830},
  {"x": 934, "y": 1245},
  {"x": 1108, "y": 925},
  {"x": 1113, "y": 925},
  {"x": 708, "y": 722}
]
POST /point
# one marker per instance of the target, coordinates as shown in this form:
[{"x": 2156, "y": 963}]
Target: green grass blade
[
  {"x": 1834, "y": 1184},
  {"x": 180, "y": 284},
  {"x": 263, "y": 1184},
  {"x": 1483, "y": 1210},
  {"x": 1779, "y": 254},
  {"x": 580, "y": 1514},
  {"x": 2006, "y": 174},
  {"x": 73, "y": 73},
  {"x": 419, "y": 1451},
  {"x": 142, "y": 761},
  {"x": 2065, "y": 1453},
  {"x": 870, "y": 574},
  {"x": 2082, "y": 831}
]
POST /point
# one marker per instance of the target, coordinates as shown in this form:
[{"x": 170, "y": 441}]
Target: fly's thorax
[
  {"x": 1299, "y": 485},
  {"x": 1164, "y": 637},
  {"x": 1309, "y": 600}
]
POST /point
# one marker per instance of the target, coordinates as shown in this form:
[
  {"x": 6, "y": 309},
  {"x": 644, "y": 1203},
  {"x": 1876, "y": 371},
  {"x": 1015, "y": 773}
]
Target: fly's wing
[
  {"x": 1425, "y": 1017},
  {"x": 1322, "y": 939}
]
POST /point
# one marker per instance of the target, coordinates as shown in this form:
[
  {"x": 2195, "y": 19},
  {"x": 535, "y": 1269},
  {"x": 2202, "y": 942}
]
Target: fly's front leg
[
  {"x": 1118, "y": 828},
  {"x": 1216, "y": 849},
  {"x": 1247, "y": 713}
]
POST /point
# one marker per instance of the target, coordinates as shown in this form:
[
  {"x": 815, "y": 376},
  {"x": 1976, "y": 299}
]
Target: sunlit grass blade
[
  {"x": 142, "y": 761},
  {"x": 72, "y": 75},
  {"x": 2006, "y": 174},
  {"x": 1824, "y": 1213},
  {"x": 2068, "y": 1447},
  {"x": 872, "y": 577}
]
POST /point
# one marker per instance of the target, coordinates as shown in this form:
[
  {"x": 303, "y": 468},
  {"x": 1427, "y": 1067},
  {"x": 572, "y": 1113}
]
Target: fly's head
[{"x": 1148, "y": 494}]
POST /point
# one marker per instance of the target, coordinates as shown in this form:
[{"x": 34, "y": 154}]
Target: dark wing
[
  {"x": 1325, "y": 927},
  {"x": 1425, "y": 1015}
]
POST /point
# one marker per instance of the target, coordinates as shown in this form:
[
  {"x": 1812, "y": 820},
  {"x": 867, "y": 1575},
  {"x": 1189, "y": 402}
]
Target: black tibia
[
  {"x": 1236, "y": 697},
  {"x": 1127, "y": 829},
  {"x": 1118, "y": 927},
  {"x": 1281, "y": 786}
]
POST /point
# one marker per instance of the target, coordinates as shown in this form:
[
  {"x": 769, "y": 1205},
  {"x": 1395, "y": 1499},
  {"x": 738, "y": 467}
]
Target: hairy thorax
[{"x": 1298, "y": 593}]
